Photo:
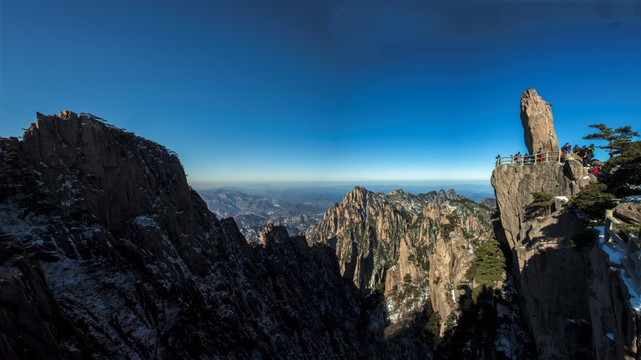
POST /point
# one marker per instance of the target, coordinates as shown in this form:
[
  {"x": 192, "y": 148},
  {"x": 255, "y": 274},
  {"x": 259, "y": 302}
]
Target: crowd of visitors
[{"x": 585, "y": 154}]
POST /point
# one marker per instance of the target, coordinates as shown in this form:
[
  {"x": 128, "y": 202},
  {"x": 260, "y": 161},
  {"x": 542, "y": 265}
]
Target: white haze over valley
[{"x": 335, "y": 191}]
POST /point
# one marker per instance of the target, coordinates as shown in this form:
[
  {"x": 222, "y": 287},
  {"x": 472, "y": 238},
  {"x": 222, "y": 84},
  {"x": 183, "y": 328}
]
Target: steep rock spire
[{"x": 538, "y": 123}]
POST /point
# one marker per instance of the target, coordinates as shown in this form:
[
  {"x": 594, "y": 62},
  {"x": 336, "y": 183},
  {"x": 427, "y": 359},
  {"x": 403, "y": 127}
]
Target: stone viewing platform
[{"x": 520, "y": 160}]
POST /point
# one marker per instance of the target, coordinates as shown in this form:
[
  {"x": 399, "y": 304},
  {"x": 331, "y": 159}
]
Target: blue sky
[{"x": 303, "y": 90}]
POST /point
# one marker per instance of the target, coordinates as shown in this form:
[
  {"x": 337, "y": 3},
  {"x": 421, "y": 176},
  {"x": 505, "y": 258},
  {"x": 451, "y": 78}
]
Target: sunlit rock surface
[
  {"x": 415, "y": 251},
  {"x": 538, "y": 123}
]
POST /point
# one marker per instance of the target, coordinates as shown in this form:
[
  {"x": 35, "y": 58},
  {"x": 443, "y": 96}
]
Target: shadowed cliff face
[
  {"x": 576, "y": 293},
  {"x": 552, "y": 277},
  {"x": 572, "y": 300},
  {"x": 108, "y": 253},
  {"x": 616, "y": 325},
  {"x": 514, "y": 185},
  {"x": 121, "y": 175}
]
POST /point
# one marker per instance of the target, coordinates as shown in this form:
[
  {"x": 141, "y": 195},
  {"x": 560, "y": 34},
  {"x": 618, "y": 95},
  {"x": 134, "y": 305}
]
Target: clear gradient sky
[{"x": 300, "y": 90}]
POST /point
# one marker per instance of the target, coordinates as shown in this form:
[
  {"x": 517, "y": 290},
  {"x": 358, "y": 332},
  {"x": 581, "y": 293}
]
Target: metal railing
[
  {"x": 631, "y": 246},
  {"x": 516, "y": 160},
  {"x": 608, "y": 233}
]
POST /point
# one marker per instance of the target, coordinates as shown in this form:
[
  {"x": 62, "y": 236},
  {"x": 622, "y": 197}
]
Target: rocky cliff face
[
  {"x": 415, "y": 250},
  {"x": 108, "y": 253},
  {"x": 451, "y": 231},
  {"x": 538, "y": 123},
  {"x": 370, "y": 232},
  {"x": 552, "y": 277},
  {"x": 614, "y": 302},
  {"x": 514, "y": 185},
  {"x": 578, "y": 296}
]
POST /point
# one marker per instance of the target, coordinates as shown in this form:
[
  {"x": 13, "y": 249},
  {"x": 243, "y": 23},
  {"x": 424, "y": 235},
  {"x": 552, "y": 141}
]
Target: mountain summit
[{"x": 108, "y": 253}]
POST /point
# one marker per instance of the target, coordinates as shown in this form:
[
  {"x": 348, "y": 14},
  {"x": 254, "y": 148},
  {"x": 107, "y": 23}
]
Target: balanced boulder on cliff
[{"x": 538, "y": 123}]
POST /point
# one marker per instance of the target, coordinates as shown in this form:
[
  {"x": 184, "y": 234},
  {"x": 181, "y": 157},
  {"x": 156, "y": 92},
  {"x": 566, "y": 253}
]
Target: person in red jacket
[{"x": 540, "y": 154}]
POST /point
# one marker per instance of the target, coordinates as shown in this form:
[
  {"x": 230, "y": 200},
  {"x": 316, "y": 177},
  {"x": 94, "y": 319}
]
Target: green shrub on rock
[
  {"x": 488, "y": 266},
  {"x": 542, "y": 200},
  {"x": 594, "y": 200}
]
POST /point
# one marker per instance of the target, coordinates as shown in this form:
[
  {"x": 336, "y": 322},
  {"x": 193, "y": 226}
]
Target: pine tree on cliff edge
[
  {"x": 617, "y": 139},
  {"x": 625, "y": 157}
]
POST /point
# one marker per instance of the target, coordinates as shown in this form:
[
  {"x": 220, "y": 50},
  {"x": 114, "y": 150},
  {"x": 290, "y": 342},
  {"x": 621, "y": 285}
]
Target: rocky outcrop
[
  {"x": 369, "y": 231},
  {"x": 551, "y": 275},
  {"x": 451, "y": 232},
  {"x": 615, "y": 301},
  {"x": 514, "y": 185},
  {"x": 489, "y": 203},
  {"x": 628, "y": 212},
  {"x": 579, "y": 297},
  {"x": 108, "y": 253},
  {"x": 538, "y": 123},
  {"x": 415, "y": 251},
  {"x": 616, "y": 324}
]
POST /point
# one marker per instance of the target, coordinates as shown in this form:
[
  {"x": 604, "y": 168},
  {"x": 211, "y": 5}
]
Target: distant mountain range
[
  {"x": 252, "y": 212},
  {"x": 299, "y": 207}
]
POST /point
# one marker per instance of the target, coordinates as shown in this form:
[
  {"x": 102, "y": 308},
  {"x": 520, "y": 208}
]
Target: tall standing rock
[
  {"x": 538, "y": 123},
  {"x": 566, "y": 294}
]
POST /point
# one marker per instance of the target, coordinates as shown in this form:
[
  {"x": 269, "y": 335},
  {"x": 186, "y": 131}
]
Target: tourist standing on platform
[{"x": 540, "y": 155}]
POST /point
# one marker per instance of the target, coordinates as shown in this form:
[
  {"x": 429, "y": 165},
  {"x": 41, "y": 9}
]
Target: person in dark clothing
[
  {"x": 584, "y": 155},
  {"x": 540, "y": 155},
  {"x": 576, "y": 149},
  {"x": 587, "y": 160},
  {"x": 565, "y": 151}
]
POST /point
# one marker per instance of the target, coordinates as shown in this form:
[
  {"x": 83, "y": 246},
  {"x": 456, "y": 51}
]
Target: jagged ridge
[
  {"x": 119, "y": 258},
  {"x": 415, "y": 251}
]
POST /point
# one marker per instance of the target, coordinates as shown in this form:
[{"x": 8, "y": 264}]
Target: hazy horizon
[
  {"x": 475, "y": 190},
  {"x": 276, "y": 184}
]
